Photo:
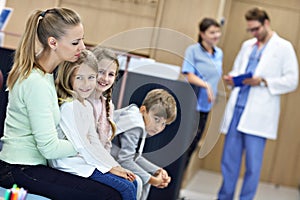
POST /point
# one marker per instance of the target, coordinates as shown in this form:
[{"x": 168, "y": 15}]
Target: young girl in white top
[{"x": 75, "y": 82}]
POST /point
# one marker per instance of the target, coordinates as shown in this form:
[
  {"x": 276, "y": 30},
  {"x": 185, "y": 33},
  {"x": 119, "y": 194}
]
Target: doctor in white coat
[{"x": 252, "y": 112}]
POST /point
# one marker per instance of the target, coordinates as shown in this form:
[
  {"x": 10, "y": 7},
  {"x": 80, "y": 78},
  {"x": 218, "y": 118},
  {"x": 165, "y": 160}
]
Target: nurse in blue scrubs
[{"x": 202, "y": 67}]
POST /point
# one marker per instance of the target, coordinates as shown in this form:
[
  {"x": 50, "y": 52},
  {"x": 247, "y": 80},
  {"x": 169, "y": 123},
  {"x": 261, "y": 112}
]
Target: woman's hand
[{"x": 210, "y": 93}]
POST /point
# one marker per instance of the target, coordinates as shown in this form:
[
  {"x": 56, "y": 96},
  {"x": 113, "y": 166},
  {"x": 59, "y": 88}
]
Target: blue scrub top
[
  {"x": 251, "y": 67},
  {"x": 206, "y": 66}
]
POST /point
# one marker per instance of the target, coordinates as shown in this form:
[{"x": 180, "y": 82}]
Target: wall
[
  {"x": 21, "y": 11},
  {"x": 128, "y": 25},
  {"x": 108, "y": 21}
]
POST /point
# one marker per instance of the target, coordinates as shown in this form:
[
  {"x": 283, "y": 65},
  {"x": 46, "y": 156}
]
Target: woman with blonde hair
[{"x": 30, "y": 135}]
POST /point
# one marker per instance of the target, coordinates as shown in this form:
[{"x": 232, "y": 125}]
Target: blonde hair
[
  {"x": 65, "y": 72},
  {"x": 107, "y": 54},
  {"x": 42, "y": 25},
  {"x": 163, "y": 103}
]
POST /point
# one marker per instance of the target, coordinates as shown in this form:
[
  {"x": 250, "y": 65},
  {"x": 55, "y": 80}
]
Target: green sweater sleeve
[
  {"x": 30, "y": 135},
  {"x": 43, "y": 113}
]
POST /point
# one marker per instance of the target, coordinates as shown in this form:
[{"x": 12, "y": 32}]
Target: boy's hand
[
  {"x": 166, "y": 179},
  {"x": 156, "y": 180}
]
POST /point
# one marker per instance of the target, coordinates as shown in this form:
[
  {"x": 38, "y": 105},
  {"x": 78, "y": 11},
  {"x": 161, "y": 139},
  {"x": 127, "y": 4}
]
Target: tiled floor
[{"x": 205, "y": 185}]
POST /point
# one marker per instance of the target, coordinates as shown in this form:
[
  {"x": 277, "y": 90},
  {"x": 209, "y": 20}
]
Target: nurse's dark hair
[
  {"x": 205, "y": 24},
  {"x": 257, "y": 14}
]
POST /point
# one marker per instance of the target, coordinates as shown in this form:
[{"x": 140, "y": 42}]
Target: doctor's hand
[
  {"x": 228, "y": 80},
  {"x": 254, "y": 81}
]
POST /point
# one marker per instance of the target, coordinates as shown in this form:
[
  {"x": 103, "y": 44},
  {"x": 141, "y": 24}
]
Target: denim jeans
[
  {"x": 125, "y": 187},
  {"x": 54, "y": 184}
]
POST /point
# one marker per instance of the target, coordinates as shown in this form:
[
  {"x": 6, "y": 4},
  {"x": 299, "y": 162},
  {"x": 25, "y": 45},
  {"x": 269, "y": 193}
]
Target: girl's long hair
[{"x": 104, "y": 53}]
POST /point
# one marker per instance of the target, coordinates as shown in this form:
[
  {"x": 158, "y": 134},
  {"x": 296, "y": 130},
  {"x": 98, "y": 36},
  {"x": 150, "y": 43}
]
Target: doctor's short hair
[
  {"x": 257, "y": 14},
  {"x": 162, "y": 103}
]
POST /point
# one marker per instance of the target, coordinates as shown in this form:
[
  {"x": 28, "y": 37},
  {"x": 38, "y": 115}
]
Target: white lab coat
[{"x": 278, "y": 65}]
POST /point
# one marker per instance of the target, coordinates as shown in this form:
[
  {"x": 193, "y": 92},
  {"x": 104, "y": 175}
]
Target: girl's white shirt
[{"x": 77, "y": 124}]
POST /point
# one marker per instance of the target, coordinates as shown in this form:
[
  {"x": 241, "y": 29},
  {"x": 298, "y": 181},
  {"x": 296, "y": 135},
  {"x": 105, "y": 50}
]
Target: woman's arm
[{"x": 41, "y": 103}]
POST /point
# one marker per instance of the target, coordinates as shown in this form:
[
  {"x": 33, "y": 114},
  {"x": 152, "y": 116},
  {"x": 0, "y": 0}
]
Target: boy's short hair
[{"x": 163, "y": 102}]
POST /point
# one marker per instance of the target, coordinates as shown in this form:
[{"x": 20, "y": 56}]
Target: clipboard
[{"x": 238, "y": 80}]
